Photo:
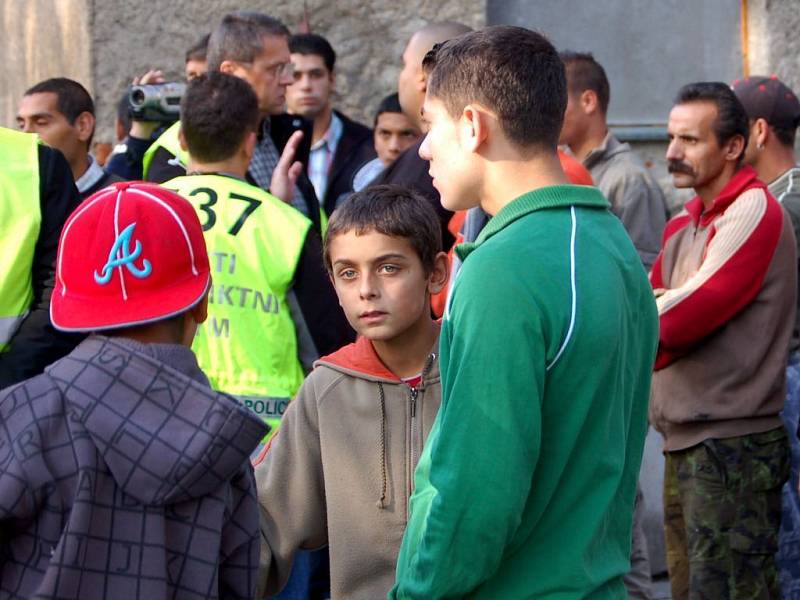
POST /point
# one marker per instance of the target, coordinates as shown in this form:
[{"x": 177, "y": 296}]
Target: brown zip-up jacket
[
  {"x": 340, "y": 471},
  {"x": 725, "y": 284}
]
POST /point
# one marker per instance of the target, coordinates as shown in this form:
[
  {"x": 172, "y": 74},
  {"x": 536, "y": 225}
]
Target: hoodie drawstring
[{"x": 382, "y": 501}]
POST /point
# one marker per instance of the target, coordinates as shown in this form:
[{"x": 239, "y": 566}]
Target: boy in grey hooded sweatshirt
[{"x": 340, "y": 469}]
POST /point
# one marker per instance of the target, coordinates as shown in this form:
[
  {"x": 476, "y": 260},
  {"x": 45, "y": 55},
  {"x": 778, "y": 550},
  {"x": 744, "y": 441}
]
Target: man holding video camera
[{"x": 254, "y": 47}]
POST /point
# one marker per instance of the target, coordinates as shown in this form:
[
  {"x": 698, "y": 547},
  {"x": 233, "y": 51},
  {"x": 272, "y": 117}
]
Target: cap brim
[{"x": 82, "y": 314}]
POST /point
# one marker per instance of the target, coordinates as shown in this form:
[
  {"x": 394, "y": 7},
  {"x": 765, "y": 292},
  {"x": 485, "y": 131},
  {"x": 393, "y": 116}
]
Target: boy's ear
[
  {"x": 249, "y": 145},
  {"x": 440, "y": 273},
  {"x": 200, "y": 310},
  {"x": 182, "y": 140},
  {"x": 474, "y": 127},
  {"x": 589, "y": 101},
  {"x": 193, "y": 317}
]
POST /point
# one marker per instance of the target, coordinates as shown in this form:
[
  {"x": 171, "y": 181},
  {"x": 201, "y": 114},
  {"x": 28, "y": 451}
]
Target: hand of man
[
  {"x": 285, "y": 175},
  {"x": 144, "y": 129}
]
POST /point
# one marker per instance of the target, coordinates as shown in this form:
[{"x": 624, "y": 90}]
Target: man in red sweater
[{"x": 725, "y": 283}]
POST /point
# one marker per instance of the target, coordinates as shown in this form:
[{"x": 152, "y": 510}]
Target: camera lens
[{"x": 137, "y": 97}]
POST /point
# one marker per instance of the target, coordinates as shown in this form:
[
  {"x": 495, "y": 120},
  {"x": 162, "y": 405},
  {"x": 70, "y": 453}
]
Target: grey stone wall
[
  {"x": 129, "y": 37},
  {"x": 103, "y": 43},
  {"x": 773, "y": 40},
  {"x": 41, "y": 39},
  {"x": 773, "y": 47}
]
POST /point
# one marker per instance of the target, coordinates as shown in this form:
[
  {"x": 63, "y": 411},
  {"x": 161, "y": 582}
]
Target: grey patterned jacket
[{"x": 122, "y": 477}]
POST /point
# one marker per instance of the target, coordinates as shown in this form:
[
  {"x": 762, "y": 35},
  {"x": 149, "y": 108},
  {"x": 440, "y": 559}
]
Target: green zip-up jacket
[{"x": 526, "y": 484}]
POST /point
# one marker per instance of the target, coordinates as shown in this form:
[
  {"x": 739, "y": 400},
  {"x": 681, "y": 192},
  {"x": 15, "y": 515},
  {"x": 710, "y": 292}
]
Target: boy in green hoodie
[
  {"x": 526, "y": 485},
  {"x": 339, "y": 471}
]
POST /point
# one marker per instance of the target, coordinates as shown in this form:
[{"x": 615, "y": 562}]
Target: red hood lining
[{"x": 360, "y": 356}]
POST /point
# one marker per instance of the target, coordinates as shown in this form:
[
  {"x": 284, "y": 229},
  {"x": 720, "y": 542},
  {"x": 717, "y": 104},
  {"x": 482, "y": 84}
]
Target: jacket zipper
[
  {"x": 412, "y": 442},
  {"x": 413, "y": 450}
]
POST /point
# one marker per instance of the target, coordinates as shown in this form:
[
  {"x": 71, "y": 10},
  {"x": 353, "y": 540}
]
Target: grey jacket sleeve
[
  {"x": 639, "y": 203},
  {"x": 291, "y": 492}
]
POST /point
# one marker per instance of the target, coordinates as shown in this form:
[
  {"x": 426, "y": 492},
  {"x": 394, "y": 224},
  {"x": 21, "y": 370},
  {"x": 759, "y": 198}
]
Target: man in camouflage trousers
[
  {"x": 725, "y": 286},
  {"x": 734, "y": 526}
]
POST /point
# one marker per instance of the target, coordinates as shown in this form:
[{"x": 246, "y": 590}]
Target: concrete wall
[
  {"x": 104, "y": 43},
  {"x": 131, "y": 36},
  {"x": 773, "y": 43},
  {"x": 41, "y": 39}
]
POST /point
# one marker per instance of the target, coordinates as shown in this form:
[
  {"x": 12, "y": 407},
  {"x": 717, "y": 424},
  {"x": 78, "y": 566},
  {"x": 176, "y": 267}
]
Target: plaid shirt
[
  {"x": 265, "y": 159},
  {"x": 122, "y": 477}
]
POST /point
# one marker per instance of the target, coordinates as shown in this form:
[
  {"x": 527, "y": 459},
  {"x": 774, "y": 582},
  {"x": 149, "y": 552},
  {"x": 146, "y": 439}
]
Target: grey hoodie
[
  {"x": 340, "y": 471},
  {"x": 123, "y": 475},
  {"x": 634, "y": 195}
]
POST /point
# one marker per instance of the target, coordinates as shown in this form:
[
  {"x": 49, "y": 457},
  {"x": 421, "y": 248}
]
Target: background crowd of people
[{"x": 433, "y": 334}]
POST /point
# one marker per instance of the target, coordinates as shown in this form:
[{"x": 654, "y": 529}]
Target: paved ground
[{"x": 661, "y": 588}]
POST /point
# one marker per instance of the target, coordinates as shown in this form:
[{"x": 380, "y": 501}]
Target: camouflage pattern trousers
[{"x": 722, "y": 513}]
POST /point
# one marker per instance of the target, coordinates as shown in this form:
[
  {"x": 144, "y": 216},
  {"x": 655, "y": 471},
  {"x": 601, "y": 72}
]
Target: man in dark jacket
[
  {"x": 123, "y": 473},
  {"x": 61, "y": 112},
  {"x": 30, "y": 343},
  {"x": 254, "y": 47},
  {"x": 409, "y": 169},
  {"x": 339, "y": 145}
]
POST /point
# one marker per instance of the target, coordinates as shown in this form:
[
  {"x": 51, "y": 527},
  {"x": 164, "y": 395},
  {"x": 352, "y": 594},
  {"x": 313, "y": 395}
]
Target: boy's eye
[
  {"x": 347, "y": 273},
  {"x": 389, "y": 268}
]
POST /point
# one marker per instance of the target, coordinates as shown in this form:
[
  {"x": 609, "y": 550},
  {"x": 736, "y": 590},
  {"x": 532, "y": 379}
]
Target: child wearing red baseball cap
[{"x": 122, "y": 473}]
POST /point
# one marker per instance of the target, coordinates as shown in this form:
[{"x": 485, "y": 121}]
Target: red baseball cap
[{"x": 130, "y": 254}]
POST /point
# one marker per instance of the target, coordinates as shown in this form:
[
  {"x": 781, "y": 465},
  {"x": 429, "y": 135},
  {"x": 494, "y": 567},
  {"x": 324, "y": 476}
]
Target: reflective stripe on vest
[
  {"x": 170, "y": 142},
  {"x": 8, "y": 327},
  {"x": 269, "y": 409},
  {"x": 20, "y": 220},
  {"x": 248, "y": 345}
]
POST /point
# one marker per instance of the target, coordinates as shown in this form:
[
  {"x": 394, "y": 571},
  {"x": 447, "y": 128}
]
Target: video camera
[{"x": 159, "y": 102}]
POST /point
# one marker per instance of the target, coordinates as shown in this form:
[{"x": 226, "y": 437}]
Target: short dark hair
[
  {"x": 240, "y": 37},
  {"x": 72, "y": 99},
  {"x": 217, "y": 112},
  {"x": 311, "y": 43},
  {"x": 199, "y": 49},
  {"x": 731, "y": 116},
  {"x": 785, "y": 135},
  {"x": 585, "y": 73},
  {"x": 390, "y": 104},
  {"x": 392, "y": 210},
  {"x": 513, "y": 71}
]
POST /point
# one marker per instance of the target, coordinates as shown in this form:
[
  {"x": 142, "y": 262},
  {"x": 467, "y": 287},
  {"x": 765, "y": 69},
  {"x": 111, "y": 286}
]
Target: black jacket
[
  {"x": 37, "y": 343},
  {"x": 281, "y": 127},
  {"x": 356, "y": 147},
  {"x": 107, "y": 179},
  {"x": 411, "y": 171}
]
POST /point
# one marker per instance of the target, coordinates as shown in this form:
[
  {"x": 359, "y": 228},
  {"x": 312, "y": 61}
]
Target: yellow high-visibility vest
[
  {"x": 20, "y": 221},
  {"x": 170, "y": 142},
  {"x": 248, "y": 345}
]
